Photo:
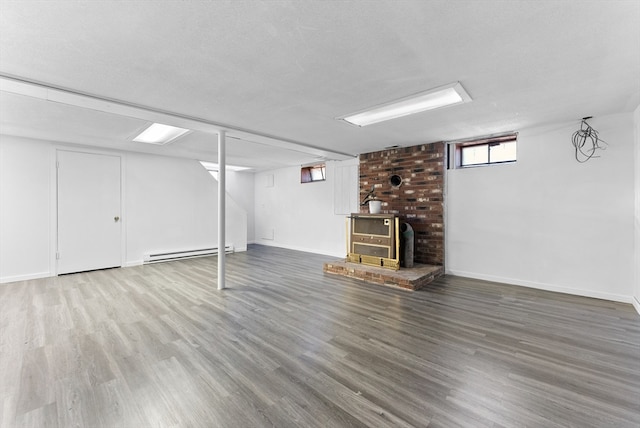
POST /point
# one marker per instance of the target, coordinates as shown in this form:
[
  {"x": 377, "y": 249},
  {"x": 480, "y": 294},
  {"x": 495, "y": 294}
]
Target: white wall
[
  {"x": 240, "y": 187},
  {"x": 299, "y": 216},
  {"x": 171, "y": 205},
  {"x": 636, "y": 292},
  {"x": 25, "y": 209},
  {"x": 168, "y": 204},
  {"x": 548, "y": 221}
]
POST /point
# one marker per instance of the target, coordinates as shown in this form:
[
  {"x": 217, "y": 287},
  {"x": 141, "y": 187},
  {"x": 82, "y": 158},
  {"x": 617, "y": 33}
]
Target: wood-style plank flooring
[{"x": 289, "y": 346}]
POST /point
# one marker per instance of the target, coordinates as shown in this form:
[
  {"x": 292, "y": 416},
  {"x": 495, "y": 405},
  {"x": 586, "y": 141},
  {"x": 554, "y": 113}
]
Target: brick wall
[{"x": 419, "y": 199}]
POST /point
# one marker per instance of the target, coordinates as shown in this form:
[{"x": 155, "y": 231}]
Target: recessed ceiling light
[
  {"x": 210, "y": 166},
  {"x": 160, "y": 134},
  {"x": 442, "y": 96}
]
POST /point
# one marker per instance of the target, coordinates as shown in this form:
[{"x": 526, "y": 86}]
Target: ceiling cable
[{"x": 586, "y": 141}]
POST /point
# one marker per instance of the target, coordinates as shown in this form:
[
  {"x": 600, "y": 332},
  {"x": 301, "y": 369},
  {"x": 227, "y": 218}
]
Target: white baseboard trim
[
  {"x": 269, "y": 243},
  {"x": 547, "y": 287},
  {"x": 16, "y": 278},
  {"x": 636, "y": 304},
  {"x": 40, "y": 275}
]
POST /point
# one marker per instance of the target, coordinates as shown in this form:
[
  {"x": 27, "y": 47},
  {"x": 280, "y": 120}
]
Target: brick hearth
[{"x": 406, "y": 278}]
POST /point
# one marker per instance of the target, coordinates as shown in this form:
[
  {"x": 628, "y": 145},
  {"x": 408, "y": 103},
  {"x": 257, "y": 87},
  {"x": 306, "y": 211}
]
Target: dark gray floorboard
[{"x": 287, "y": 345}]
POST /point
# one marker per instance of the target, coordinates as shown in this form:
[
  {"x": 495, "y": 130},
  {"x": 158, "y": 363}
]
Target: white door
[{"x": 89, "y": 225}]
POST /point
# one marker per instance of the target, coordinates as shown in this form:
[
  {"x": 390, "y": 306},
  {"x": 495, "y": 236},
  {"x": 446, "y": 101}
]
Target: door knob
[{"x": 116, "y": 218}]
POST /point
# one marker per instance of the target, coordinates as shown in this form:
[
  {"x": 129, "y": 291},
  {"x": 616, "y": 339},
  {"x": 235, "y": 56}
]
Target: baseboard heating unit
[{"x": 186, "y": 254}]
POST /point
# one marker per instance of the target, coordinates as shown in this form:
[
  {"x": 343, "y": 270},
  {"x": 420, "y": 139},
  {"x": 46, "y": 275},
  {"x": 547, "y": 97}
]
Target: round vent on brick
[{"x": 395, "y": 180}]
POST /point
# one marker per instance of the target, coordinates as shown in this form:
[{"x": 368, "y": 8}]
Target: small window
[
  {"x": 485, "y": 151},
  {"x": 309, "y": 174}
]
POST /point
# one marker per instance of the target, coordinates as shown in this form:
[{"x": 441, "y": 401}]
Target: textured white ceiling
[{"x": 289, "y": 68}]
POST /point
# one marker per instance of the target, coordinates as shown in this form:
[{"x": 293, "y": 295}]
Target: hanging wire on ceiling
[{"x": 586, "y": 141}]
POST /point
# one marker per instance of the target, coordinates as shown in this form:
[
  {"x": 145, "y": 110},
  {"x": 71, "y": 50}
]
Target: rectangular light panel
[
  {"x": 442, "y": 96},
  {"x": 210, "y": 166},
  {"x": 160, "y": 134}
]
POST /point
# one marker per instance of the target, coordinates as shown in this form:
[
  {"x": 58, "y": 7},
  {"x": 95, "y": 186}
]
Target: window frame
[
  {"x": 307, "y": 173},
  {"x": 456, "y": 149}
]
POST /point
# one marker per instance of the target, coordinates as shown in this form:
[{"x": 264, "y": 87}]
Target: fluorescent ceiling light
[
  {"x": 160, "y": 134},
  {"x": 210, "y": 166},
  {"x": 442, "y": 96}
]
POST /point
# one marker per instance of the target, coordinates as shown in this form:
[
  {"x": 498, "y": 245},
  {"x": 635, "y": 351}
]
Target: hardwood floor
[{"x": 286, "y": 345}]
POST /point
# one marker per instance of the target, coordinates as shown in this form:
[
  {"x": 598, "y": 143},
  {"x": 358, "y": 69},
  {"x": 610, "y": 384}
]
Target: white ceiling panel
[{"x": 288, "y": 69}]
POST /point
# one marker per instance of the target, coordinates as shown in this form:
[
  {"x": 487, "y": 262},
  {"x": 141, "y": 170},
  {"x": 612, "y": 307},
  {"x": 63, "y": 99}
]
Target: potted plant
[{"x": 375, "y": 205}]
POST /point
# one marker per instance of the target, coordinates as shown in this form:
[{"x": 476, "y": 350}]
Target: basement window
[
  {"x": 309, "y": 174},
  {"x": 483, "y": 151}
]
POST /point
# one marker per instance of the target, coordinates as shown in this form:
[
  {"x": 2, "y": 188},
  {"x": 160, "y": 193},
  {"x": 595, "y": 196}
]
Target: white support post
[{"x": 221, "y": 208}]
